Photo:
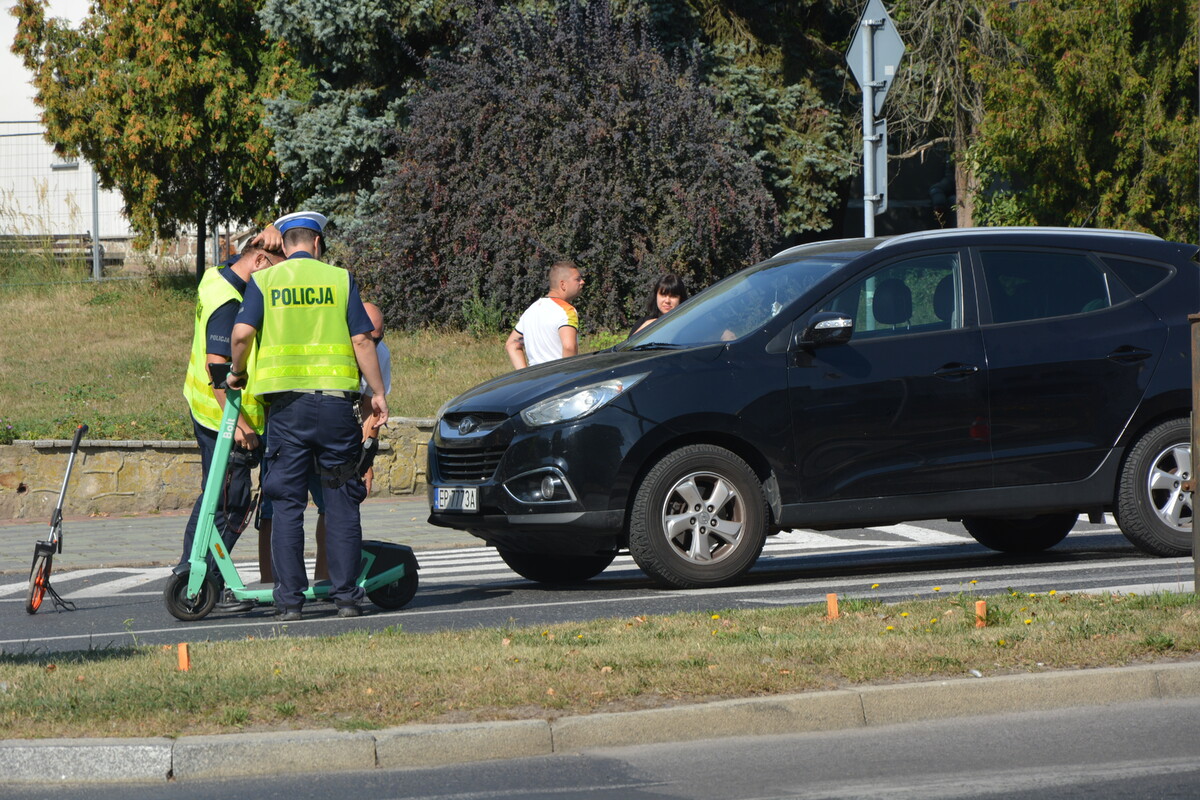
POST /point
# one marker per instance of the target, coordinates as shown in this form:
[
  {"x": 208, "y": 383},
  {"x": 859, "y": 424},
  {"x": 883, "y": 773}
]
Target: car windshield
[{"x": 739, "y": 304}]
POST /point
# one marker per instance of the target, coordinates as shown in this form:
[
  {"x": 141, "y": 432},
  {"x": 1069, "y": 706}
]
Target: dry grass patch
[
  {"x": 113, "y": 355},
  {"x": 367, "y": 681}
]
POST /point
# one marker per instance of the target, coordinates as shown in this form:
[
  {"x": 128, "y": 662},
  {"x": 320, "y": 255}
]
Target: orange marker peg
[
  {"x": 185, "y": 660},
  {"x": 981, "y": 613},
  {"x": 831, "y": 604}
]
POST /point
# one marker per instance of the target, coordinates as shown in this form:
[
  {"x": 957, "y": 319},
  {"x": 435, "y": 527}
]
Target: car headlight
[{"x": 578, "y": 403}]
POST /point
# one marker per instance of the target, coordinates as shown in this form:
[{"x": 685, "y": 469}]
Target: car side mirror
[{"x": 827, "y": 327}]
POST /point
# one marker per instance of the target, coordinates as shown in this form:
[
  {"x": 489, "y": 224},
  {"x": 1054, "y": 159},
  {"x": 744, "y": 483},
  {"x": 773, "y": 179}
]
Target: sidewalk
[{"x": 157, "y": 539}]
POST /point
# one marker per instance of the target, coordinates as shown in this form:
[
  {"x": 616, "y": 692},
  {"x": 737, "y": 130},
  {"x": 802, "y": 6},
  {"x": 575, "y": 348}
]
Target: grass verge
[
  {"x": 113, "y": 355},
  {"x": 368, "y": 681}
]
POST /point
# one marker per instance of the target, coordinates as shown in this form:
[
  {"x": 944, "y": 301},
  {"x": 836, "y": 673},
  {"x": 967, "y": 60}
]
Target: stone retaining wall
[{"x": 138, "y": 477}]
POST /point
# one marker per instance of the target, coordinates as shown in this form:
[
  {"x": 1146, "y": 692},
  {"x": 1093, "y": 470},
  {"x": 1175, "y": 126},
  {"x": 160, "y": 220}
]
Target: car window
[
  {"x": 910, "y": 296},
  {"x": 1035, "y": 284},
  {"x": 1139, "y": 276},
  {"x": 738, "y": 305}
]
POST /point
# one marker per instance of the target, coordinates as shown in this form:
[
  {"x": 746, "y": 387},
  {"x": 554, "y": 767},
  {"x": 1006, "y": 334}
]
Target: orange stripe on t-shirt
[{"x": 572, "y": 314}]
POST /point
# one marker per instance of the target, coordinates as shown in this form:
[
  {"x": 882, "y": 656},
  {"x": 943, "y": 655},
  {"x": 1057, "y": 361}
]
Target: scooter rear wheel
[
  {"x": 175, "y": 595},
  {"x": 39, "y": 579},
  {"x": 396, "y": 594}
]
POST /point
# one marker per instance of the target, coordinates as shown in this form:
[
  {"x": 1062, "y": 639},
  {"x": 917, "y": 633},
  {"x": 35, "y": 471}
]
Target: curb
[{"x": 257, "y": 754}]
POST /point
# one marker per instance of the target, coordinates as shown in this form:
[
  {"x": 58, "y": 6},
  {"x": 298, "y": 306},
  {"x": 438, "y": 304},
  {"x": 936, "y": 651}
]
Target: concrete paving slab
[
  {"x": 886, "y": 705},
  {"x": 272, "y": 753},
  {"x": 433, "y": 745},
  {"x": 759, "y": 716},
  {"x": 85, "y": 760}
]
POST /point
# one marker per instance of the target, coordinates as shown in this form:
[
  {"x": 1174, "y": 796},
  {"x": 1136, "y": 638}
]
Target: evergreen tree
[
  {"x": 163, "y": 98},
  {"x": 564, "y": 135},
  {"x": 1093, "y": 123},
  {"x": 359, "y": 61},
  {"x": 779, "y": 73}
]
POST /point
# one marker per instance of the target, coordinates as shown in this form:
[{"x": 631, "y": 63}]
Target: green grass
[
  {"x": 362, "y": 681},
  {"x": 113, "y": 355}
]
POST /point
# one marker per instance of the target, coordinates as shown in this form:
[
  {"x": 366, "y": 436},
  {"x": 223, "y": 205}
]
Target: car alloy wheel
[
  {"x": 699, "y": 518},
  {"x": 1153, "y": 510}
]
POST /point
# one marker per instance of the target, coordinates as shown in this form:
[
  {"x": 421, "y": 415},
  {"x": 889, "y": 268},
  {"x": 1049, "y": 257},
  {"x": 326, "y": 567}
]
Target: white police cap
[{"x": 301, "y": 219}]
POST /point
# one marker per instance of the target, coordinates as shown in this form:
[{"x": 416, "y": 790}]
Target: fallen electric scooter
[{"x": 387, "y": 572}]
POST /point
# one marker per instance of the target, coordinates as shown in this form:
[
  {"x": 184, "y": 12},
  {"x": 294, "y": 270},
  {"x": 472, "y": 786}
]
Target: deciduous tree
[
  {"x": 564, "y": 135},
  {"x": 164, "y": 98}
]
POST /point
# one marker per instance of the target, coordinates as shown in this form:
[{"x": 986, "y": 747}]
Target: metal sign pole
[{"x": 868, "y": 87}]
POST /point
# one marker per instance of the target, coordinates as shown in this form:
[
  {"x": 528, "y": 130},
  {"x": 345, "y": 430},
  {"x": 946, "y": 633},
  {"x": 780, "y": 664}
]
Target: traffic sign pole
[
  {"x": 874, "y": 56},
  {"x": 868, "y": 50}
]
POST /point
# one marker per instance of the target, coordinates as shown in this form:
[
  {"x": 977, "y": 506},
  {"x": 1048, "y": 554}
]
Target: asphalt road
[{"x": 468, "y": 586}]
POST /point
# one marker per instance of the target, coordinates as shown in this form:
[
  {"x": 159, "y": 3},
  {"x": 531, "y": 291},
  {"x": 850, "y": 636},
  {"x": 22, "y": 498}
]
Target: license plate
[{"x": 457, "y": 498}]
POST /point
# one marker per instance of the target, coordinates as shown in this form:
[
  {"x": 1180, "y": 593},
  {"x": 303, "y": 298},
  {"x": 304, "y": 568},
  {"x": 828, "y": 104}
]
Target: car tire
[
  {"x": 671, "y": 530},
  {"x": 1021, "y": 534},
  {"x": 556, "y": 569},
  {"x": 1153, "y": 511}
]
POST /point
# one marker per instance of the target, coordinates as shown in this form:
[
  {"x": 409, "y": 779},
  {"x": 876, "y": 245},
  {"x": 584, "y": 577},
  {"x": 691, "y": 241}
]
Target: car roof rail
[
  {"x": 801, "y": 247},
  {"x": 917, "y": 236}
]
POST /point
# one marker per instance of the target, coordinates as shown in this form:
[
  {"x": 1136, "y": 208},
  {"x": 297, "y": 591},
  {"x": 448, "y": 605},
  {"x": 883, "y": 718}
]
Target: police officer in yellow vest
[
  {"x": 219, "y": 296},
  {"x": 313, "y": 340}
]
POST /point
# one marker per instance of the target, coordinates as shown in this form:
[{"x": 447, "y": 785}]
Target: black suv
[{"x": 1010, "y": 378}]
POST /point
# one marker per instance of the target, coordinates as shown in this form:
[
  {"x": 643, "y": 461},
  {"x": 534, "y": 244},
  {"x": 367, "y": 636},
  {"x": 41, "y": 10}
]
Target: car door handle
[
  {"x": 1128, "y": 354},
  {"x": 956, "y": 370}
]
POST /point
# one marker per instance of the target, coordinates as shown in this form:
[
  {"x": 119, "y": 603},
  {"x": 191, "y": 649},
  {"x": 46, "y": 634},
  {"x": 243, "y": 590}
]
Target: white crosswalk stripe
[{"x": 479, "y": 564}]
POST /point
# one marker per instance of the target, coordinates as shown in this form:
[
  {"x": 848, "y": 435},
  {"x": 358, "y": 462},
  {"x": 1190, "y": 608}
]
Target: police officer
[
  {"x": 313, "y": 340},
  {"x": 218, "y": 297}
]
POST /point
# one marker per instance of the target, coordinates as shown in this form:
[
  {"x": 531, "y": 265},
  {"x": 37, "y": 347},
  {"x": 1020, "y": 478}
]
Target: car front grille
[{"x": 468, "y": 464}]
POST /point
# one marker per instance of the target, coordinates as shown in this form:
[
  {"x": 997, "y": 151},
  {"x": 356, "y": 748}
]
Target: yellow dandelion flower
[
  {"x": 1028, "y": 622},
  {"x": 890, "y": 628},
  {"x": 716, "y": 616},
  {"x": 874, "y": 585},
  {"x": 904, "y": 613},
  {"x": 937, "y": 588},
  {"x": 1053, "y": 592}
]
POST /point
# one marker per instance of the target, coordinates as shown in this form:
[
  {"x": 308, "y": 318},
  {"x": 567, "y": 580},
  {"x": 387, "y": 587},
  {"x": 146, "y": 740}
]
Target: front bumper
[{"x": 497, "y": 456}]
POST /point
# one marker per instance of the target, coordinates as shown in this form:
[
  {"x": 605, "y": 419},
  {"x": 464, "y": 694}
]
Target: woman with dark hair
[{"x": 669, "y": 291}]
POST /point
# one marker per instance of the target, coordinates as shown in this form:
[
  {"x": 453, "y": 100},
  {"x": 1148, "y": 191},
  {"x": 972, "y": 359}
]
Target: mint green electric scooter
[{"x": 387, "y": 572}]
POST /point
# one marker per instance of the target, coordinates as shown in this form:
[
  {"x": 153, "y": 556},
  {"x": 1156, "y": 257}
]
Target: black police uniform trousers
[{"x": 302, "y": 426}]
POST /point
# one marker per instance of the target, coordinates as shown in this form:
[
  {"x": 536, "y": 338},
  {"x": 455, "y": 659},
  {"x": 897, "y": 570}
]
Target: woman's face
[{"x": 666, "y": 302}]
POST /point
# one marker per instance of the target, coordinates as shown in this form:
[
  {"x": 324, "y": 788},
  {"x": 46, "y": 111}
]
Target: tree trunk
[
  {"x": 965, "y": 187},
  {"x": 201, "y": 261}
]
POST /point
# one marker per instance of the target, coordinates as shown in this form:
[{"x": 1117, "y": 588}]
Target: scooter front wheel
[
  {"x": 396, "y": 594},
  {"x": 175, "y": 595},
  {"x": 39, "y": 579}
]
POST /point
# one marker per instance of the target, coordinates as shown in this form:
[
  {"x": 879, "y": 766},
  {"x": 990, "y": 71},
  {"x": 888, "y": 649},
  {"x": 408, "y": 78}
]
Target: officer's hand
[
  {"x": 236, "y": 381},
  {"x": 269, "y": 239},
  {"x": 379, "y": 411},
  {"x": 245, "y": 438}
]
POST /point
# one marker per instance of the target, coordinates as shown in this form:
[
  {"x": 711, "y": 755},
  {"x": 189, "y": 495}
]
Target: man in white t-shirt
[{"x": 549, "y": 329}]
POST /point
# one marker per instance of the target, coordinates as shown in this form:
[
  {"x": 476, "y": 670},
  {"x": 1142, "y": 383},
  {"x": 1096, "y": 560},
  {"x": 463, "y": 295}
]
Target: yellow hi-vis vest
[
  {"x": 214, "y": 291},
  {"x": 304, "y": 341}
]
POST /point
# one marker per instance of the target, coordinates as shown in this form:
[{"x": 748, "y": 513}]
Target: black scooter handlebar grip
[{"x": 79, "y": 432}]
